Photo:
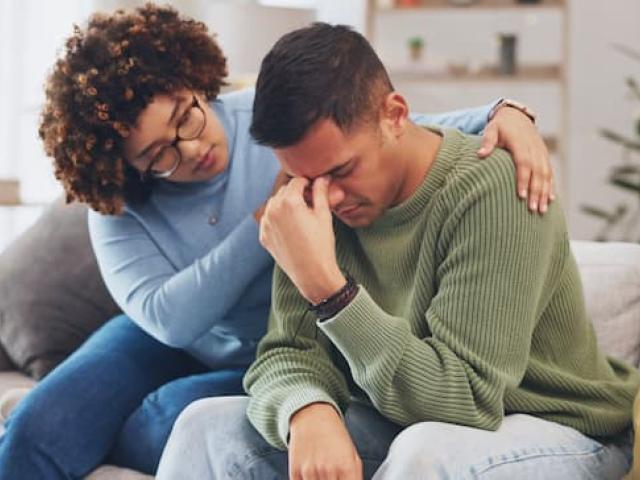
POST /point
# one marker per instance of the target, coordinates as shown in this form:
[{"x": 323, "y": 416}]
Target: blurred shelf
[
  {"x": 478, "y": 5},
  {"x": 9, "y": 192},
  {"x": 537, "y": 73},
  {"x": 454, "y": 76}
]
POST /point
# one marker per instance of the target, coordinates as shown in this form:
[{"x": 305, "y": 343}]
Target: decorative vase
[{"x": 507, "y": 64}]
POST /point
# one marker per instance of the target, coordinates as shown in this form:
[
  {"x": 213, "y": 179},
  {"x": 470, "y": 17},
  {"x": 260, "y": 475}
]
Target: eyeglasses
[{"x": 190, "y": 126}]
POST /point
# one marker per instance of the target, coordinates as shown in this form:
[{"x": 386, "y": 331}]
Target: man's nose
[{"x": 336, "y": 194}]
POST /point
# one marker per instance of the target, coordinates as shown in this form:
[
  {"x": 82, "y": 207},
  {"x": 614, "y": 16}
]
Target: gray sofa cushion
[
  {"x": 51, "y": 293},
  {"x": 611, "y": 280}
]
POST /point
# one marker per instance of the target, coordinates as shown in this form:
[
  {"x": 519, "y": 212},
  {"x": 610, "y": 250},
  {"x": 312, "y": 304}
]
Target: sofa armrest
[{"x": 610, "y": 275}]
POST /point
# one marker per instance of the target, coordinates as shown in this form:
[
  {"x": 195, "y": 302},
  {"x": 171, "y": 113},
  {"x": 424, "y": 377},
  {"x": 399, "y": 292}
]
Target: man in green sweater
[{"x": 424, "y": 323}]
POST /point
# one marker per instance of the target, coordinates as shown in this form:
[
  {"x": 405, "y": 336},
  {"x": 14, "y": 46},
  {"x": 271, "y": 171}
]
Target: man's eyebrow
[
  {"x": 174, "y": 111},
  {"x": 337, "y": 168},
  {"x": 330, "y": 172}
]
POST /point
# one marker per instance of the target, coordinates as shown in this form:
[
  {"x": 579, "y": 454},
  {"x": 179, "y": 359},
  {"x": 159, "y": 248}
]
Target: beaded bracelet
[{"x": 329, "y": 307}]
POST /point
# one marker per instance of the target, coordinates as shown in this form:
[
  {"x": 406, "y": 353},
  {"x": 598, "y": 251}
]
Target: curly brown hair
[{"x": 107, "y": 75}]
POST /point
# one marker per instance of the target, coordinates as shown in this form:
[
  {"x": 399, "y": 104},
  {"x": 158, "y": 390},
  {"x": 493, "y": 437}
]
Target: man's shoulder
[
  {"x": 469, "y": 172},
  {"x": 488, "y": 188},
  {"x": 467, "y": 161}
]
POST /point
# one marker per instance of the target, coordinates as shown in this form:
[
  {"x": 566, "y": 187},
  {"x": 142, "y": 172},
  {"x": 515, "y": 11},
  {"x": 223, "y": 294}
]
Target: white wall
[
  {"x": 246, "y": 32},
  {"x": 9, "y": 83},
  {"x": 30, "y": 34},
  {"x": 350, "y": 12},
  {"x": 598, "y": 99},
  {"x": 34, "y": 33}
]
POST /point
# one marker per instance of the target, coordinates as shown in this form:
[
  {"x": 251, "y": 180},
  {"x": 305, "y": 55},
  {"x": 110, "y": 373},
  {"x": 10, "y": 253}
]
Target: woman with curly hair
[{"x": 137, "y": 130}]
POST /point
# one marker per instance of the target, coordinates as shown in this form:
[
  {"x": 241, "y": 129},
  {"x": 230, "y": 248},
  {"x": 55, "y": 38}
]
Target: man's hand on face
[
  {"x": 514, "y": 131},
  {"x": 300, "y": 238},
  {"x": 320, "y": 447}
]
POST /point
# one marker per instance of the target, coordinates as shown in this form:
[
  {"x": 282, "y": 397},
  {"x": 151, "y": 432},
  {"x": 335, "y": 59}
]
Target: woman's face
[{"x": 201, "y": 151}]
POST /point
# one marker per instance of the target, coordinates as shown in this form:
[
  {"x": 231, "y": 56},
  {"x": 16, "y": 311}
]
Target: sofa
[{"x": 52, "y": 298}]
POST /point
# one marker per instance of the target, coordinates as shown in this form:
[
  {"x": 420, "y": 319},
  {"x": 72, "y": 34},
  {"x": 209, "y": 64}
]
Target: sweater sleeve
[
  {"x": 470, "y": 120},
  {"x": 293, "y": 368},
  {"x": 175, "y": 306},
  {"x": 497, "y": 263}
]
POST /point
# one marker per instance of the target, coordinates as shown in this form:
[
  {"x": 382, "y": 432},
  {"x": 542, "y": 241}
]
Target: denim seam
[{"x": 533, "y": 456}]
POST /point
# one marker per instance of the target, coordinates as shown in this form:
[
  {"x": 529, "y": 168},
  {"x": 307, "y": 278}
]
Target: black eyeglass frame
[{"x": 149, "y": 172}]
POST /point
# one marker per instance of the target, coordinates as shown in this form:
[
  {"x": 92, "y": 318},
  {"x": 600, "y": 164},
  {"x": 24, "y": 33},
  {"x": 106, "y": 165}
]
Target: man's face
[
  {"x": 202, "y": 158},
  {"x": 363, "y": 180}
]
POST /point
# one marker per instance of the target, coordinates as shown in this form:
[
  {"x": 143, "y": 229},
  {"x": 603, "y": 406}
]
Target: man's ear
[{"x": 395, "y": 113}]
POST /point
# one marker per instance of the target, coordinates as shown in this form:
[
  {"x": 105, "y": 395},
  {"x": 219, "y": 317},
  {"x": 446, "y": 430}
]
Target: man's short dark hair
[{"x": 317, "y": 72}]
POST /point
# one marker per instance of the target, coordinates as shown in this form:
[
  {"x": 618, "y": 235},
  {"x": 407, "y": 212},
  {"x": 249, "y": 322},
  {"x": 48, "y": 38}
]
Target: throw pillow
[{"x": 52, "y": 296}]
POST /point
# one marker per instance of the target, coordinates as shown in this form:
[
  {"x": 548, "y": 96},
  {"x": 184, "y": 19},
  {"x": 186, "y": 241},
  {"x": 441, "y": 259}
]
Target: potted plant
[
  {"x": 416, "y": 48},
  {"x": 623, "y": 220}
]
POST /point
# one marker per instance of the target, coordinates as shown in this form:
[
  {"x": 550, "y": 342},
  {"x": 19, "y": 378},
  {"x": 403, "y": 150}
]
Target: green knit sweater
[{"x": 470, "y": 307}]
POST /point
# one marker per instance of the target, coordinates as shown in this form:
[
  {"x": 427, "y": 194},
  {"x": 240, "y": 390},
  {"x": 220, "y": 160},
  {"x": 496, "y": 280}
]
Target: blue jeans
[
  {"x": 212, "y": 439},
  {"x": 114, "y": 400}
]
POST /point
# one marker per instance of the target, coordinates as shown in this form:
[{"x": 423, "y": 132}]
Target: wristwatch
[{"x": 507, "y": 102}]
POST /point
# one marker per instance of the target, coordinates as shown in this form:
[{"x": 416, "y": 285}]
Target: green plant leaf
[
  {"x": 620, "y": 211},
  {"x": 620, "y": 139},
  {"x": 626, "y": 170},
  {"x": 627, "y": 51},
  {"x": 597, "y": 212},
  {"x": 634, "y": 87},
  {"x": 415, "y": 42},
  {"x": 626, "y": 184}
]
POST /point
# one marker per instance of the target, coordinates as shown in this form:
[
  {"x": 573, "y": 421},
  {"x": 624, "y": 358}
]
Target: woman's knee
[
  {"x": 34, "y": 420},
  {"x": 204, "y": 437},
  {"x": 209, "y": 418},
  {"x": 213, "y": 436},
  {"x": 423, "y": 450}
]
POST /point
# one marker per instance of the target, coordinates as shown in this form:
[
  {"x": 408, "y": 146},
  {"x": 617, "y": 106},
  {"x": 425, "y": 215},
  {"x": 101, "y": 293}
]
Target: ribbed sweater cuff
[
  {"x": 364, "y": 333},
  {"x": 297, "y": 399}
]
